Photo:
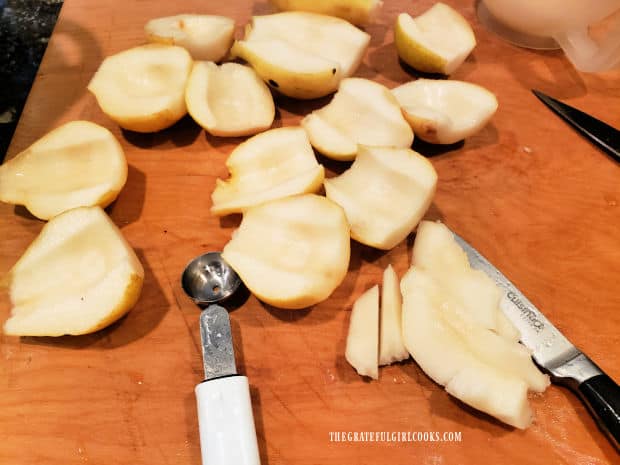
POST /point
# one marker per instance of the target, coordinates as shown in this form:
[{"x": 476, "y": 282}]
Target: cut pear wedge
[
  {"x": 384, "y": 194},
  {"x": 362, "y": 112},
  {"x": 363, "y": 336},
  {"x": 143, "y": 89},
  {"x": 292, "y": 252},
  {"x": 206, "y": 37},
  {"x": 359, "y": 12},
  {"x": 275, "y": 164},
  {"x": 78, "y": 276},
  {"x": 391, "y": 346},
  {"x": 437, "y": 41},
  {"x": 77, "y": 164},
  {"x": 302, "y": 55},
  {"x": 229, "y": 100},
  {"x": 445, "y": 112}
]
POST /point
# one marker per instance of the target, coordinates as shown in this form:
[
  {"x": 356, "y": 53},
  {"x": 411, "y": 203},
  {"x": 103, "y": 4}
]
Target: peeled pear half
[
  {"x": 229, "y": 100},
  {"x": 437, "y": 41},
  {"x": 357, "y": 12},
  {"x": 143, "y": 89},
  {"x": 302, "y": 55},
  {"x": 271, "y": 165},
  {"x": 445, "y": 112},
  {"x": 362, "y": 112},
  {"x": 384, "y": 194},
  {"x": 78, "y": 276},
  {"x": 77, "y": 164},
  {"x": 292, "y": 252},
  {"x": 206, "y": 37}
]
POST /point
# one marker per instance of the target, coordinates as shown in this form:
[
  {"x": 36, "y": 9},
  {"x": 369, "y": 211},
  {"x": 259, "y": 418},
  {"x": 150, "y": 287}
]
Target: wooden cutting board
[{"x": 534, "y": 197}]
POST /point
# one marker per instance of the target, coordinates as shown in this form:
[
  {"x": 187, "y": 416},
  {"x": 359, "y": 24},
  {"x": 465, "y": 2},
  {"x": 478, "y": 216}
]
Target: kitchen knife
[
  {"x": 553, "y": 352},
  {"x": 225, "y": 420},
  {"x": 601, "y": 134}
]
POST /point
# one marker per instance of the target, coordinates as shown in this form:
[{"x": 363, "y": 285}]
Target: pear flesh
[
  {"x": 302, "y": 55},
  {"x": 143, "y": 89},
  {"x": 229, "y": 100},
  {"x": 445, "y": 111},
  {"x": 361, "y": 113},
  {"x": 77, "y": 164},
  {"x": 359, "y": 12},
  {"x": 292, "y": 252},
  {"x": 78, "y": 276},
  {"x": 385, "y": 193},
  {"x": 391, "y": 346},
  {"x": 271, "y": 165},
  {"x": 363, "y": 335},
  {"x": 205, "y": 37}
]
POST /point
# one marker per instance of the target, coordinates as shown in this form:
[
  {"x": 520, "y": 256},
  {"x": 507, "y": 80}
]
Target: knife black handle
[{"x": 602, "y": 396}]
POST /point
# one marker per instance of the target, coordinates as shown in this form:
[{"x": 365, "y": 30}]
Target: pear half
[
  {"x": 384, "y": 194},
  {"x": 445, "y": 112},
  {"x": 357, "y": 12},
  {"x": 206, "y": 37},
  {"x": 302, "y": 55},
  {"x": 363, "y": 336},
  {"x": 275, "y": 164},
  {"x": 437, "y": 41},
  {"x": 362, "y": 112},
  {"x": 292, "y": 252},
  {"x": 77, "y": 164},
  {"x": 229, "y": 100},
  {"x": 143, "y": 89},
  {"x": 78, "y": 276}
]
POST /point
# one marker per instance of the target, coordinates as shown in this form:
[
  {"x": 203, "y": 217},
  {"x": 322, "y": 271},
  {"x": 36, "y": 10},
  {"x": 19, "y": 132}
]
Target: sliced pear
[
  {"x": 391, "y": 346},
  {"x": 436, "y": 252},
  {"x": 206, "y": 37},
  {"x": 446, "y": 357},
  {"x": 302, "y": 55},
  {"x": 228, "y": 100},
  {"x": 275, "y": 164},
  {"x": 358, "y": 12},
  {"x": 77, "y": 164},
  {"x": 445, "y": 112},
  {"x": 384, "y": 194},
  {"x": 143, "y": 89},
  {"x": 363, "y": 336},
  {"x": 437, "y": 41},
  {"x": 78, "y": 276},
  {"x": 291, "y": 252},
  {"x": 361, "y": 112}
]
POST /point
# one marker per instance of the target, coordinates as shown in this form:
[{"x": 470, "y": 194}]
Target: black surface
[
  {"x": 25, "y": 28},
  {"x": 602, "y": 396}
]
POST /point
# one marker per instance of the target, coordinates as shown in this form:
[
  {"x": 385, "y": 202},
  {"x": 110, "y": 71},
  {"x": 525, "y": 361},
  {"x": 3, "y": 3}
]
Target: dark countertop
[{"x": 25, "y": 28}]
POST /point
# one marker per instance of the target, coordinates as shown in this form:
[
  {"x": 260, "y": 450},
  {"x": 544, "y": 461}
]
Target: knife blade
[
  {"x": 553, "y": 352},
  {"x": 601, "y": 134}
]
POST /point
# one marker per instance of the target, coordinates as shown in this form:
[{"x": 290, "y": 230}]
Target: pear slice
[
  {"x": 228, "y": 100},
  {"x": 445, "y": 112},
  {"x": 384, "y": 194},
  {"x": 359, "y": 12},
  {"x": 206, "y": 37},
  {"x": 143, "y": 89},
  {"x": 437, "y": 41},
  {"x": 275, "y": 164},
  {"x": 446, "y": 357},
  {"x": 362, "y": 112},
  {"x": 436, "y": 252},
  {"x": 302, "y": 55},
  {"x": 77, "y": 164},
  {"x": 391, "y": 346},
  {"x": 363, "y": 336},
  {"x": 78, "y": 276},
  {"x": 291, "y": 252}
]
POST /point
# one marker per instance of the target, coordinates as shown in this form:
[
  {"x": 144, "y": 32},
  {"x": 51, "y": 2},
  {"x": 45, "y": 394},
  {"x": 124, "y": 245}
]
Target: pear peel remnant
[{"x": 77, "y": 164}]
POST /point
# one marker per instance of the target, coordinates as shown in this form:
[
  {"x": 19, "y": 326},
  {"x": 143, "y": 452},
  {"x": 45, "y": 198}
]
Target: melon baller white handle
[{"x": 226, "y": 423}]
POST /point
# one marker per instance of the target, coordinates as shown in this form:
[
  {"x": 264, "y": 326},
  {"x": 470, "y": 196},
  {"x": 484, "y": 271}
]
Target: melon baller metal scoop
[{"x": 225, "y": 420}]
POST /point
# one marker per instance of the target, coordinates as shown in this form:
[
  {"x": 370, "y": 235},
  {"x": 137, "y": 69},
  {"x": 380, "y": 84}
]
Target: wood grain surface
[{"x": 533, "y": 196}]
